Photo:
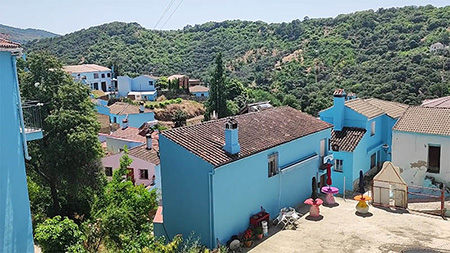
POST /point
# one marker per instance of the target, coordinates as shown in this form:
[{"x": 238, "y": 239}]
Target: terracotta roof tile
[
  {"x": 347, "y": 139},
  {"x": 129, "y": 133},
  {"x": 258, "y": 131},
  {"x": 6, "y": 44},
  {"x": 373, "y": 107},
  {"x": 443, "y": 102},
  {"x": 427, "y": 120},
  {"x": 143, "y": 153},
  {"x": 121, "y": 108},
  {"x": 85, "y": 68},
  {"x": 198, "y": 88}
]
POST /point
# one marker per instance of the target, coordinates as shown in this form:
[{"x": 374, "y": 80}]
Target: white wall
[
  {"x": 411, "y": 148},
  {"x": 137, "y": 164}
]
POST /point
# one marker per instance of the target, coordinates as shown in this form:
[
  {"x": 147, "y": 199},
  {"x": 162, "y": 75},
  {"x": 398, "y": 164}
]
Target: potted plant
[
  {"x": 247, "y": 238},
  {"x": 258, "y": 231}
]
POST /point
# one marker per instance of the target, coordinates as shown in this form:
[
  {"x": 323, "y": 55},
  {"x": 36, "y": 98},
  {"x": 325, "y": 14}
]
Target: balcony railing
[{"x": 32, "y": 116}]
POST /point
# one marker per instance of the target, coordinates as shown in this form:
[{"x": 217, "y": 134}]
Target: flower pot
[
  {"x": 259, "y": 236},
  {"x": 248, "y": 244}
]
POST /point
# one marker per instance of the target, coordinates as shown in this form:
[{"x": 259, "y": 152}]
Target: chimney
[
  {"x": 339, "y": 108},
  {"x": 141, "y": 107},
  {"x": 148, "y": 142},
  {"x": 232, "y": 146},
  {"x": 124, "y": 123}
]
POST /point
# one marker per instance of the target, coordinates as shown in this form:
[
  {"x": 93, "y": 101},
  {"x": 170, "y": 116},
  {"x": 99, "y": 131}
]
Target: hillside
[
  {"x": 25, "y": 35},
  {"x": 383, "y": 53}
]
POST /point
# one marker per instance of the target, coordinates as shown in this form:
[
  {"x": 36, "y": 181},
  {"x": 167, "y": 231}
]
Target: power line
[
  {"x": 171, "y": 14},
  {"x": 165, "y": 12}
]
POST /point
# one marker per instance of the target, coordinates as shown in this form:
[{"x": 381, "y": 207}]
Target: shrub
[{"x": 59, "y": 235}]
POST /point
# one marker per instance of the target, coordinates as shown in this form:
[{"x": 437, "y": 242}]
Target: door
[
  {"x": 384, "y": 196},
  {"x": 399, "y": 198},
  {"x": 130, "y": 174},
  {"x": 434, "y": 159},
  {"x": 104, "y": 86}
]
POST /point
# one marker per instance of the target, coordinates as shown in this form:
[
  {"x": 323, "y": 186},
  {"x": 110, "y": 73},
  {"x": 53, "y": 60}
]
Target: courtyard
[{"x": 341, "y": 230}]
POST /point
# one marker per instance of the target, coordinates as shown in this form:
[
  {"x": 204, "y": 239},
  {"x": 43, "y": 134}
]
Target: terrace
[{"x": 32, "y": 120}]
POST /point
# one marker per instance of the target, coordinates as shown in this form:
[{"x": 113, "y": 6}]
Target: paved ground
[{"x": 341, "y": 230}]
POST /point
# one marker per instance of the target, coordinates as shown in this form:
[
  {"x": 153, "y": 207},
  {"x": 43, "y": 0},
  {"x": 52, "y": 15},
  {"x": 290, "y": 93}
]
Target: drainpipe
[
  {"x": 211, "y": 207},
  {"x": 19, "y": 106}
]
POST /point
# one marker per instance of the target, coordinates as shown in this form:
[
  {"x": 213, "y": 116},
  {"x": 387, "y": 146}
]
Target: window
[
  {"x": 202, "y": 95},
  {"x": 115, "y": 119},
  {"x": 103, "y": 75},
  {"x": 322, "y": 147},
  {"x": 373, "y": 160},
  {"x": 434, "y": 159},
  {"x": 338, "y": 165},
  {"x": 150, "y": 83},
  {"x": 108, "y": 74},
  {"x": 372, "y": 129},
  {"x": 273, "y": 164},
  {"x": 143, "y": 174},
  {"x": 95, "y": 75},
  {"x": 108, "y": 171},
  {"x": 95, "y": 86}
]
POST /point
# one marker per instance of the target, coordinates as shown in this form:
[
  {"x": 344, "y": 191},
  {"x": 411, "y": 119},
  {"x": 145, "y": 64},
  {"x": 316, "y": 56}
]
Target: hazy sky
[{"x": 65, "y": 16}]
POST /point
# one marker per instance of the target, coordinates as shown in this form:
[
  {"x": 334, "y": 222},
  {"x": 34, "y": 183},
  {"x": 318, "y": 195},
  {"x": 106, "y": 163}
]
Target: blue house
[
  {"x": 138, "y": 88},
  {"x": 217, "y": 174},
  {"x": 19, "y": 123},
  {"x": 125, "y": 113},
  {"x": 361, "y": 138},
  {"x": 199, "y": 91}
]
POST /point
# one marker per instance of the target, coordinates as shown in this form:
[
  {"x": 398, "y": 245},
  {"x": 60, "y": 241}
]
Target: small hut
[{"x": 389, "y": 188}]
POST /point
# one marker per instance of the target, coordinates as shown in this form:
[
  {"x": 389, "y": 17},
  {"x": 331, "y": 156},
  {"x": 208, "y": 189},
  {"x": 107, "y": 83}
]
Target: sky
[{"x": 66, "y": 16}]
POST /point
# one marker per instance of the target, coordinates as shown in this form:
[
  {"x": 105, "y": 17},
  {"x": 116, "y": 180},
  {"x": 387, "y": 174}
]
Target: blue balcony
[{"x": 32, "y": 120}]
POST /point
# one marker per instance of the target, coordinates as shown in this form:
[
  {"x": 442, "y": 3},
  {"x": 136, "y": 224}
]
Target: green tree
[
  {"x": 59, "y": 235},
  {"x": 67, "y": 158},
  {"x": 291, "y": 101},
  {"x": 179, "y": 118},
  {"x": 122, "y": 212},
  {"x": 163, "y": 82},
  {"x": 217, "y": 97}
]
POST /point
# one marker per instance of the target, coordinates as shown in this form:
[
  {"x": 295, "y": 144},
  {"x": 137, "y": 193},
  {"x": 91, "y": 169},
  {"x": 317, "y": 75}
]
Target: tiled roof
[
  {"x": 198, "y": 88},
  {"x": 152, "y": 77},
  {"x": 373, "y": 107},
  {"x": 129, "y": 133},
  {"x": 258, "y": 131},
  {"x": 121, "y": 108},
  {"x": 443, "y": 102},
  {"x": 85, "y": 68},
  {"x": 427, "y": 120},
  {"x": 347, "y": 139},
  {"x": 143, "y": 153},
  {"x": 4, "y": 43},
  {"x": 175, "y": 77}
]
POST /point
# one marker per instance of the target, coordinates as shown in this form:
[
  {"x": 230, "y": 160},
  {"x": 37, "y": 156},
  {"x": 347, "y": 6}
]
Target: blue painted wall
[
  {"x": 199, "y": 94},
  {"x": 234, "y": 191},
  {"x": 16, "y": 233},
  {"x": 114, "y": 144},
  {"x": 185, "y": 192},
  {"x": 140, "y": 83},
  {"x": 134, "y": 120},
  {"x": 359, "y": 159}
]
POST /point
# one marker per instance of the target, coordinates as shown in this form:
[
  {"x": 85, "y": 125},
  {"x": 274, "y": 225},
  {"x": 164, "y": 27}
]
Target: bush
[{"x": 59, "y": 235}]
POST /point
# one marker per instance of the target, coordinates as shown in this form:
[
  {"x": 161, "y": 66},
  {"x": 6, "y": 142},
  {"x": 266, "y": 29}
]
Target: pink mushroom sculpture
[
  {"x": 329, "y": 190},
  {"x": 314, "y": 201}
]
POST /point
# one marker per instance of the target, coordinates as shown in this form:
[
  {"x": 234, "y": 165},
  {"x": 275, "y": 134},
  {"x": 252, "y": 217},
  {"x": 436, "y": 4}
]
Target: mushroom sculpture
[
  {"x": 329, "y": 190},
  {"x": 314, "y": 201},
  {"x": 362, "y": 206}
]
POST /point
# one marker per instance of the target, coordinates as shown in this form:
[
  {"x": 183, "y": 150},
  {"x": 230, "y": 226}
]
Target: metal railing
[{"x": 32, "y": 116}]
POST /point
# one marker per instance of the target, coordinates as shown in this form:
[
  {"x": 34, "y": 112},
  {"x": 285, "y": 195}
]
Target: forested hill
[
  {"x": 383, "y": 53},
  {"x": 25, "y": 35}
]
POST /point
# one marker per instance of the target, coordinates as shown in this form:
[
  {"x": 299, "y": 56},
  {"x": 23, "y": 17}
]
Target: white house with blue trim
[
  {"x": 95, "y": 76},
  {"x": 19, "y": 123},
  {"x": 142, "y": 87},
  {"x": 199, "y": 91},
  {"x": 217, "y": 174},
  {"x": 361, "y": 138},
  {"x": 126, "y": 114}
]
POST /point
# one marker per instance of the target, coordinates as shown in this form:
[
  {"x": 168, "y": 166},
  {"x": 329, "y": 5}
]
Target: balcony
[{"x": 32, "y": 120}]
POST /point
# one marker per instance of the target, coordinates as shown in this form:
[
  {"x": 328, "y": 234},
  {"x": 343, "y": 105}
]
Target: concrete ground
[{"x": 341, "y": 230}]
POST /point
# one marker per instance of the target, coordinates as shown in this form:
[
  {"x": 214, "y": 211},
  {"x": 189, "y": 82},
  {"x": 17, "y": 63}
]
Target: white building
[
  {"x": 96, "y": 76},
  {"x": 421, "y": 144},
  {"x": 138, "y": 88},
  {"x": 436, "y": 47}
]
